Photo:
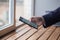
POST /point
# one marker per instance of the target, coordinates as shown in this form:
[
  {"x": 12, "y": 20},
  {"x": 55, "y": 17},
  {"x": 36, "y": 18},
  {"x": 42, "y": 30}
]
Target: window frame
[
  {"x": 11, "y": 26},
  {"x": 28, "y": 9}
]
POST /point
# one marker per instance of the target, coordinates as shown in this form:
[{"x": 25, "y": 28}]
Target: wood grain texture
[
  {"x": 47, "y": 34},
  {"x": 37, "y": 34},
  {"x": 27, "y": 33},
  {"x": 14, "y": 32},
  {"x": 55, "y": 34},
  {"x": 59, "y": 38},
  {"x": 19, "y": 33}
]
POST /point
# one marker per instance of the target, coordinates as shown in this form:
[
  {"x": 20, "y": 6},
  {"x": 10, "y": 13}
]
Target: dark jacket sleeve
[{"x": 52, "y": 17}]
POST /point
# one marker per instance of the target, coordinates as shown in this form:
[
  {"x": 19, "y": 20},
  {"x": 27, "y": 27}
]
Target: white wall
[{"x": 43, "y": 5}]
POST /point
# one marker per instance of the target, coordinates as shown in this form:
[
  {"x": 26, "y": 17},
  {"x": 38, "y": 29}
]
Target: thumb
[{"x": 39, "y": 23}]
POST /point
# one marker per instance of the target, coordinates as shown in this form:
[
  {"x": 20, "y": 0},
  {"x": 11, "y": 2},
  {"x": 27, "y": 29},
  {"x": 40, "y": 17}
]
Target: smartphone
[{"x": 31, "y": 24}]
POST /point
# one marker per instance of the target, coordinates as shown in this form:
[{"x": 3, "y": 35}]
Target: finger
[
  {"x": 33, "y": 20},
  {"x": 39, "y": 23}
]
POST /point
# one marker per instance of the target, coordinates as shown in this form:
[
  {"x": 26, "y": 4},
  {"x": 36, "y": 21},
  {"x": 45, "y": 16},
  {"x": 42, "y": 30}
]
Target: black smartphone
[{"x": 31, "y": 24}]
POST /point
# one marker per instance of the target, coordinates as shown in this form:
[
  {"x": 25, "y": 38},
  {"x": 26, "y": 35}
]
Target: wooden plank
[
  {"x": 19, "y": 33},
  {"x": 12, "y": 33},
  {"x": 55, "y": 34},
  {"x": 37, "y": 34},
  {"x": 8, "y": 35},
  {"x": 47, "y": 34},
  {"x": 59, "y": 38},
  {"x": 28, "y": 34}
]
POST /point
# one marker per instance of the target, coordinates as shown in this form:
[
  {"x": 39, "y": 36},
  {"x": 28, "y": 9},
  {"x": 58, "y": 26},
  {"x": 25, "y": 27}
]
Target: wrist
[{"x": 42, "y": 20}]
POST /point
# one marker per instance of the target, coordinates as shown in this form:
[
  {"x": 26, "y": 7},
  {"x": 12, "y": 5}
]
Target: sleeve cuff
[{"x": 44, "y": 25}]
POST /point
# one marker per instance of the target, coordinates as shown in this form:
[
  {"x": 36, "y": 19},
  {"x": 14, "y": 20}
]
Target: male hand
[{"x": 38, "y": 20}]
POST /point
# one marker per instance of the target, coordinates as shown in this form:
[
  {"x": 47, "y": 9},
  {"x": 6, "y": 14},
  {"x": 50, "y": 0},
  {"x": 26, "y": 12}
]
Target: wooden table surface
[{"x": 27, "y": 33}]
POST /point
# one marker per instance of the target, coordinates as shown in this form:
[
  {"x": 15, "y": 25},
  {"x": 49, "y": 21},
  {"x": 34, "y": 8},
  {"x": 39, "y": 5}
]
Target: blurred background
[
  {"x": 23, "y": 8},
  {"x": 26, "y": 9},
  {"x": 4, "y": 15}
]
